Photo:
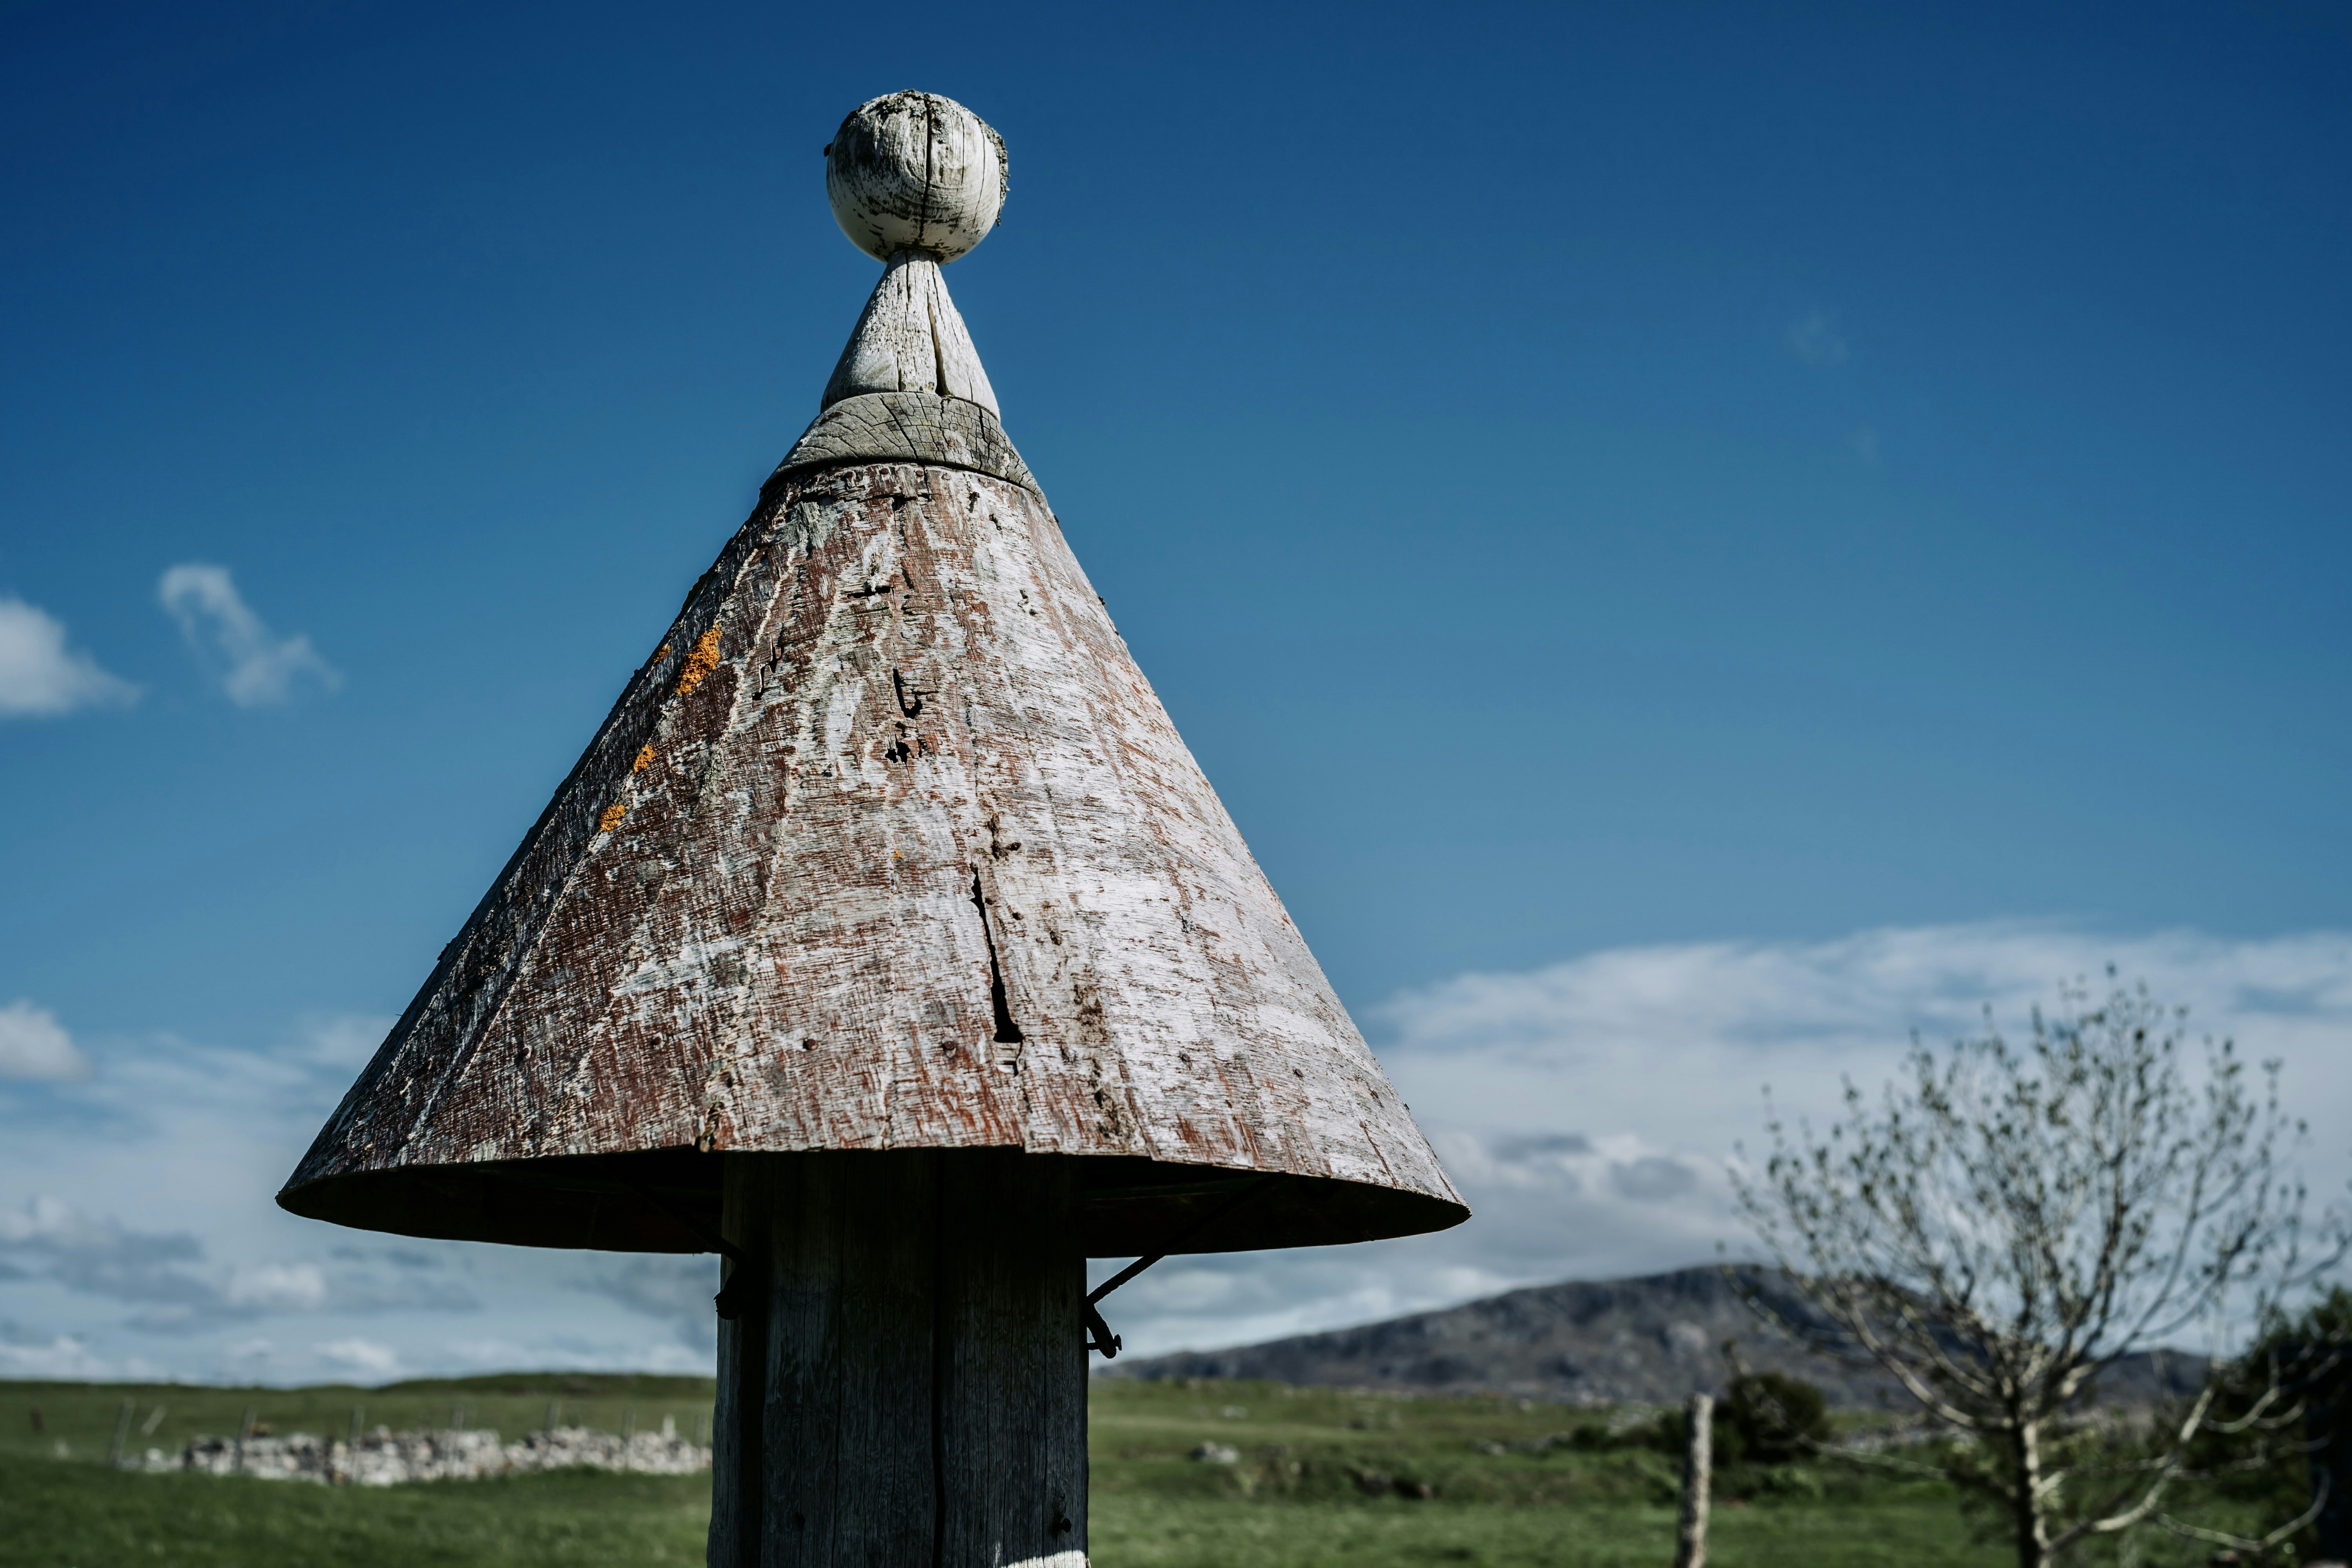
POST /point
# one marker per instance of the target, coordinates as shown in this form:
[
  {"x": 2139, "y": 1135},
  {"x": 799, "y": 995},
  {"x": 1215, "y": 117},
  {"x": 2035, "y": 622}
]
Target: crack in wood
[{"x": 1008, "y": 1033}]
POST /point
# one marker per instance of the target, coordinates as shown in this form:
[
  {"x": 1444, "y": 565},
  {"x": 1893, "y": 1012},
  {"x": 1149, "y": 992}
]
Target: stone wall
[{"x": 384, "y": 1457}]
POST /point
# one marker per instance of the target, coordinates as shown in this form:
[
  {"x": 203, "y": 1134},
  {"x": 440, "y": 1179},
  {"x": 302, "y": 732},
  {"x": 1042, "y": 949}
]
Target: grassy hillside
[{"x": 1299, "y": 1496}]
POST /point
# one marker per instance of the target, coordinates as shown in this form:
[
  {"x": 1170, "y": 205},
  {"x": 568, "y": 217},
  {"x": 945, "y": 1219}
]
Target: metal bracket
[
  {"x": 729, "y": 1302},
  {"x": 1098, "y": 1334}
]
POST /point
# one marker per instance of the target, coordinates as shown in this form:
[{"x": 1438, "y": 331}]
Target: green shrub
[{"x": 1773, "y": 1419}]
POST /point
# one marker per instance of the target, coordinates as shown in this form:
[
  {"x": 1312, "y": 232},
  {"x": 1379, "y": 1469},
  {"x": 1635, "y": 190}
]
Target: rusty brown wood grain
[{"x": 889, "y": 844}]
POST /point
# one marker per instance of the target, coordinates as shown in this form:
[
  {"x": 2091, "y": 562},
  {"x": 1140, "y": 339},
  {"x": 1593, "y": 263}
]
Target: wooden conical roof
[{"x": 888, "y": 845}]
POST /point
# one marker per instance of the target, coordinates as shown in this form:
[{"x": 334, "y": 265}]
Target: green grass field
[{"x": 1296, "y": 1500}]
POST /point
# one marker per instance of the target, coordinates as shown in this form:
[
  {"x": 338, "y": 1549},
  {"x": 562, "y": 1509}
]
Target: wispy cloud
[
  {"x": 32, "y": 1044},
  {"x": 256, "y": 666},
  {"x": 40, "y": 676},
  {"x": 101, "y": 1258},
  {"x": 168, "y": 1277},
  {"x": 47, "y": 1357},
  {"x": 346, "y": 1041},
  {"x": 137, "y": 1231},
  {"x": 1814, "y": 338},
  {"x": 675, "y": 1290},
  {"x": 365, "y": 1357},
  {"x": 1589, "y": 1111}
]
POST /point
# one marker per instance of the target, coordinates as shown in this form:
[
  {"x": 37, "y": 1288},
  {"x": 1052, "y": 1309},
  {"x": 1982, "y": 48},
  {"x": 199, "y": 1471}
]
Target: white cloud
[
  {"x": 278, "y": 1286},
  {"x": 168, "y": 1276},
  {"x": 1814, "y": 338},
  {"x": 347, "y": 1041},
  {"x": 675, "y": 1290},
  {"x": 32, "y": 1044},
  {"x": 62, "y": 1357},
  {"x": 261, "y": 667},
  {"x": 1587, "y": 1110},
  {"x": 45, "y": 1219},
  {"x": 202, "y": 1276},
  {"x": 40, "y": 676},
  {"x": 364, "y": 1356}
]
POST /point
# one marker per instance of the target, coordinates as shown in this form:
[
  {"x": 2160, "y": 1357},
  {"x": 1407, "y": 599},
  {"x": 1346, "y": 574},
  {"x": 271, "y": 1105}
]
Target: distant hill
[{"x": 1656, "y": 1338}]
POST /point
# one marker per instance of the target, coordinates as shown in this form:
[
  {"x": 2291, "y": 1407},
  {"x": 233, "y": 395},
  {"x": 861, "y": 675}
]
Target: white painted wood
[
  {"x": 913, "y": 171},
  {"x": 909, "y": 338},
  {"x": 1698, "y": 1481}
]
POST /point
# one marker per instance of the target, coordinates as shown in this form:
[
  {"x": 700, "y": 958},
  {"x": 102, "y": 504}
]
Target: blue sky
[{"x": 1595, "y": 488}]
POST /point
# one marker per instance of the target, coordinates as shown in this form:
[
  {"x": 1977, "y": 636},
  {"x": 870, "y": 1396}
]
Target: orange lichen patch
[
  {"x": 699, "y": 662},
  {"x": 660, "y": 654},
  {"x": 645, "y": 760},
  {"x": 611, "y": 818}
]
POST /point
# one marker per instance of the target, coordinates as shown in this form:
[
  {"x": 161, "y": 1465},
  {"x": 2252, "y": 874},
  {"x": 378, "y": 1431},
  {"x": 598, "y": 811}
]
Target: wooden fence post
[
  {"x": 905, "y": 1383},
  {"x": 1698, "y": 1464}
]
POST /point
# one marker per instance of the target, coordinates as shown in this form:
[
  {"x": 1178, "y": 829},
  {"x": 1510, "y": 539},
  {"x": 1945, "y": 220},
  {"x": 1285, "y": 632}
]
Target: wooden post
[
  {"x": 121, "y": 1432},
  {"x": 905, "y": 1383},
  {"x": 2327, "y": 1434},
  {"x": 853, "y": 973},
  {"x": 1698, "y": 1464}
]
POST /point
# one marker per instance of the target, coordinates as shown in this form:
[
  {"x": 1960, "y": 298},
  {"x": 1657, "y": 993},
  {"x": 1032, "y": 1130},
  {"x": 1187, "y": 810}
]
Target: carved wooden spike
[{"x": 910, "y": 338}]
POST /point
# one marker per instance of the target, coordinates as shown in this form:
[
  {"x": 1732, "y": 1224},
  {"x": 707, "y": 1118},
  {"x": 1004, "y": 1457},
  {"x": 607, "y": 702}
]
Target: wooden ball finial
[{"x": 915, "y": 172}]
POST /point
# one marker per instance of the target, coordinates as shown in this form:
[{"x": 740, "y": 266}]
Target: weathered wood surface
[
  {"x": 891, "y": 757},
  {"x": 913, "y": 171},
  {"x": 905, "y": 1380},
  {"x": 946, "y": 432},
  {"x": 889, "y": 846},
  {"x": 910, "y": 338},
  {"x": 1698, "y": 1481}
]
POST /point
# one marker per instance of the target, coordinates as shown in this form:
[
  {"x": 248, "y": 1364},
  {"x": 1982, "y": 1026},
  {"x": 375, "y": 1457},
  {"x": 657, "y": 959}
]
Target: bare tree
[{"x": 2006, "y": 1223}]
